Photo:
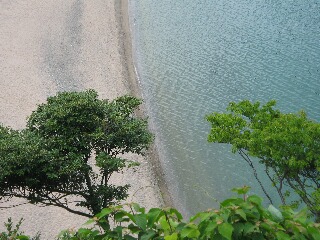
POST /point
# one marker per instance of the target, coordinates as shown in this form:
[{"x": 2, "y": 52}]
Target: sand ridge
[{"x": 56, "y": 45}]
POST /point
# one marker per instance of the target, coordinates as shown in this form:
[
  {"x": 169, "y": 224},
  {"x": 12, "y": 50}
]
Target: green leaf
[
  {"x": 202, "y": 215},
  {"x": 275, "y": 213},
  {"x": 173, "y": 236},
  {"x": 209, "y": 229},
  {"x": 153, "y": 216},
  {"x": 301, "y": 216},
  {"x": 137, "y": 208},
  {"x": 90, "y": 221},
  {"x": 231, "y": 202},
  {"x": 282, "y": 236},
  {"x": 266, "y": 226},
  {"x": 22, "y": 237},
  {"x": 164, "y": 224},
  {"x": 226, "y": 229},
  {"x": 141, "y": 221},
  {"x": 190, "y": 231},
  {"x": 104, "y": 212},
  {"x": 119, "y": 230},
  {"x": 241, "y": 213},
  {"x": 255, "y": 199},
  {"x": 176, "y": 212},
  {"x": 128, "y": 237},
  {"x": 134, "y": 229},
  {"x": 315, "y": 232},
  {"x": 248, "y": 228},
  {"x": 87, "y": 232},
  {"x": 121, "y": 217},
  {"x": 242, "y": 190},
  {"x": 147, "y": 235},
  {"x": 180, "y": 226},
  {"x": 238, "y": 230}
]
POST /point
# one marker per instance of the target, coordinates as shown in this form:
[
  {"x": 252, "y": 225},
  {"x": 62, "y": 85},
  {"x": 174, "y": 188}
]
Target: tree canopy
[
  {"x": 71, "y": 146},
  {"x": 288, "y": 145}
]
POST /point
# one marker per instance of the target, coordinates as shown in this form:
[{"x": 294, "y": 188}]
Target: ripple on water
[{"x": 195, "y": 57}]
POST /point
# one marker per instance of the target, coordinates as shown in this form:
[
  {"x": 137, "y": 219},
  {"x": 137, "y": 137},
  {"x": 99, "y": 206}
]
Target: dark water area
[{"x": 194, "y": 57}]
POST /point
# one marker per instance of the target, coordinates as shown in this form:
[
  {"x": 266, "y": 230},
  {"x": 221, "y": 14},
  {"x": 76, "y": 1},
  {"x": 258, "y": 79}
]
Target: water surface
[{"x": 194, "y": 57}]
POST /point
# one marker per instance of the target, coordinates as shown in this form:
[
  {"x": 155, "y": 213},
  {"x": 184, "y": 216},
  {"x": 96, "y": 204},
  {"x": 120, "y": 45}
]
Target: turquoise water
[{"x": 194, "y": 57}]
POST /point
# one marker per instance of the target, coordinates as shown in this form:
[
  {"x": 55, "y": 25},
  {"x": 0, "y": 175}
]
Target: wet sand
[{"x": 55, "y": 45}]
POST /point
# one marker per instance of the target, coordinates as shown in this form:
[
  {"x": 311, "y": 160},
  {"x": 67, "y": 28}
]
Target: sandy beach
[{"x": 56, "y": 45}]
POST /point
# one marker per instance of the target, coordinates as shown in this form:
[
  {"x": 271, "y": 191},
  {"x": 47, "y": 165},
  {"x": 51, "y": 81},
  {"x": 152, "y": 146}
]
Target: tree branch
[
  {"x": 279, "y": 189},
  {"x": 52, "y": 202},
  {"x": 248, "y": 160},
  {"x": 15, "y": 205}
]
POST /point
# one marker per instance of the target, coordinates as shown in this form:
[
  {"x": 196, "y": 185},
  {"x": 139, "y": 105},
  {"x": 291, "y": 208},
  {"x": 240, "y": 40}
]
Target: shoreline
[{"x": 125, "y": 42}]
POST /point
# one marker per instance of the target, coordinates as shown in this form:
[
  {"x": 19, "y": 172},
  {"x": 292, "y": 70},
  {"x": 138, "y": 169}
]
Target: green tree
[
  {"x": 288, "y": 146},
  {"x": 71, "y": 146}
]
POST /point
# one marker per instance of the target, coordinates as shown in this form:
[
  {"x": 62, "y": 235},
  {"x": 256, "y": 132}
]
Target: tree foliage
[
  {"x": 71, "y": 146},
  {"x": 241, "y": 217},
  {"x": 288, "y": 145},
  {"x": 237, "y": 218}
]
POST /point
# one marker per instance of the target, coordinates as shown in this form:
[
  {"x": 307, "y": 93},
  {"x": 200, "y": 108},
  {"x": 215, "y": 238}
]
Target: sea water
[{"x": 195, "y": 56}]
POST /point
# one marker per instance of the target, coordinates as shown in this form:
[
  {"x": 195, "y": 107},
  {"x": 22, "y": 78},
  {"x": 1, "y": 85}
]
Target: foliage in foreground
[
  {"x": 13, "y": 232},
  {"x": 65, "y": 140},
  {"x": 237, "y": 218},
  {"x": 288, "y": 146}
]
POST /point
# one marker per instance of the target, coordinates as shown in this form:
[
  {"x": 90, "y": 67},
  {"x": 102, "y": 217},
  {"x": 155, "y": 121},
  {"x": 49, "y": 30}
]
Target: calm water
[{"x": 194, "y": 57}]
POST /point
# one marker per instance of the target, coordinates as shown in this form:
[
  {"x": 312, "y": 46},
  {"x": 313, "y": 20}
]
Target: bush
[
  {"x": 13, "y": 232},
  {"x": 237, "y": 218}
]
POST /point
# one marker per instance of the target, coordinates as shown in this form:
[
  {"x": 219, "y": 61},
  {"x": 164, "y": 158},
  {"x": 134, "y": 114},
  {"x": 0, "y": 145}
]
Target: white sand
[{"x": 56, "y": 45}]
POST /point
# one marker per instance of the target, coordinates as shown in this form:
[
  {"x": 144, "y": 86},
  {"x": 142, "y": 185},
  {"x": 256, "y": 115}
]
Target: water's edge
[{"x": 133, "y": 84}]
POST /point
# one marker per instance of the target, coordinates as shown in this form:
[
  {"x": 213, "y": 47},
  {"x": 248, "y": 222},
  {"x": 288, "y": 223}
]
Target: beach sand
[{"x": 56, "y": 45}]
